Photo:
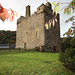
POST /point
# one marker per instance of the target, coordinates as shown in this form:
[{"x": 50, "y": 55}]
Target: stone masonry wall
[
  {"x": 31, "y": 32},
  {"x": 52, "y": 36}
]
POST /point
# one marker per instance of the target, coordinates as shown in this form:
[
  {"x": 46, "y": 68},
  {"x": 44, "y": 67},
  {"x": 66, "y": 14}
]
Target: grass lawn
[{"x": 31, "y": 63}]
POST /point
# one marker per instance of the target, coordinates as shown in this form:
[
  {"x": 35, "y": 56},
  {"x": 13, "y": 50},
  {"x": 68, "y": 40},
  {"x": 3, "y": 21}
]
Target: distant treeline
[{"x": 7, "y": 37}]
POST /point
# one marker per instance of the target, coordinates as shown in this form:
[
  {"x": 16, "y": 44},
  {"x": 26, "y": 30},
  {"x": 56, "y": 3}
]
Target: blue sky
[{"x": 19, "y": 6}]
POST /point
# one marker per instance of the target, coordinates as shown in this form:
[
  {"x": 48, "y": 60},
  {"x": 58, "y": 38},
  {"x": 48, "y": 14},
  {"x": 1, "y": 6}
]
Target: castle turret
[
  {"x": 28, "y": 11},
  {"x": 49, "y": 5}
]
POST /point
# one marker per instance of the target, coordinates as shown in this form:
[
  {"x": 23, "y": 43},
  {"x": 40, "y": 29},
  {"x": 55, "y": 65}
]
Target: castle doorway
[
  {"x": 54, "y": 49},
  {"x": 25, "y": 45}
]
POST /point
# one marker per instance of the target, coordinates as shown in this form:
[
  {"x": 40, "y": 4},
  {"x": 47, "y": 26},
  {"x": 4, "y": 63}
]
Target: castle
[{"x": 31, "y": 31}]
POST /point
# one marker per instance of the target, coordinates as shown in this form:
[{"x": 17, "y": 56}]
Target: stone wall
[
  {"x": 52, "y": 36},
  {"x": 30, "y": 32}
]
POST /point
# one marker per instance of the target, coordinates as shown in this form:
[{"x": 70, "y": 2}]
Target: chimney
[{"x": 28, "y": 11}]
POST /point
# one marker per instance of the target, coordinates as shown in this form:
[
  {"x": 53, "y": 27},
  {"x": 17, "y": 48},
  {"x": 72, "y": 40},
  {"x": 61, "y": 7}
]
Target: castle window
[
  {"x": 39, "y": 8},
  {"x": 26, "y": 32},
  {"x": 36, "y": 33}
]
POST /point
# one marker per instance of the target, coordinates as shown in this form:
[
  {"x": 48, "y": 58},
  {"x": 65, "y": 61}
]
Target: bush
[
  {"x": 72, "y": 42},
  {"x": 68, "y": 58}
]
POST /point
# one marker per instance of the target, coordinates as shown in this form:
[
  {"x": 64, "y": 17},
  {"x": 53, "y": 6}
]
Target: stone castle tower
[{"x": 31, "y": 31}]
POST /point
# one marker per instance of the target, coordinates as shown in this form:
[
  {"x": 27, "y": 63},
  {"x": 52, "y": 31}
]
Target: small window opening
[
  {"x": 36, "y": 33},
  {"x": 39, "y": 8},
  {"x": 54, "y": 49},
  {"x": 26, "y": 32}
]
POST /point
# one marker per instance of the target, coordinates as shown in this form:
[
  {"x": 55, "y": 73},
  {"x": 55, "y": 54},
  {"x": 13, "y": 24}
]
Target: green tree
[
  {"x": 12, "y": 42},
  {"x": 6, "y": 36},
  {"x": 71, "y": 31},
  {"x": 65, "y": 43},
  {"x": 72, "y": 42},
  {"x": 68, "y": 57},
  {"x": 0, "y": 42}
]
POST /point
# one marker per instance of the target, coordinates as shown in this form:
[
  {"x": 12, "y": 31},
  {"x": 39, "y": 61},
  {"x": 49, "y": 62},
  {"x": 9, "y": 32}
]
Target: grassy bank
[{"x": 31, "y": 63}]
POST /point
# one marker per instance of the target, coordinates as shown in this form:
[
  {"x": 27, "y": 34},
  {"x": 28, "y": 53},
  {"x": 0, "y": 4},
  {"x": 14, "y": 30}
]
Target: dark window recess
[
  {"x": 37, "y": 33},
  {"x": 39, "y": 8},
  {"x": 54, "y": 49},
  {"x": 25, "y": 45},
  {"x": 26, "y": 32}
]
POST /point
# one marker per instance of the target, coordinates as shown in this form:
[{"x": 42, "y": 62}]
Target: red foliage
[{"x": 4, "y": 14}]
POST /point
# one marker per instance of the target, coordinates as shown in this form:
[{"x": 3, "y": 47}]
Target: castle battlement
[{"x": 42, "y": 8}]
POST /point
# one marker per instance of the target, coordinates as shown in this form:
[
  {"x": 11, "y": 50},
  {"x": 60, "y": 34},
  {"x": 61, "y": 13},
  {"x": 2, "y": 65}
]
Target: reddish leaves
[
  {"x": 4, "y": 14},
  {"x": 68, "y": 33},
  {"x": 1, "y": 9}
]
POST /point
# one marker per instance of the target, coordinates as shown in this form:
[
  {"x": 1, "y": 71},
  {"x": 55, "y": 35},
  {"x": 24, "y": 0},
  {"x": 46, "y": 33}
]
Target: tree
[
  {"x": 68, "y": 57},
  {"x": 12, "y": 42},
  {"x": 7, "y": 36},
  {"x": 66, "y": 42},
  {"x": 72, "y": 42},
  {"x": 0, "y": 42},
  {"x": 71, "y": 31}
]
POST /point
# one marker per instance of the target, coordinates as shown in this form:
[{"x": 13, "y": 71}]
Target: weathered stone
[
  {"x": 31, "y": 31},
  {"x": 28, "y": 11}
]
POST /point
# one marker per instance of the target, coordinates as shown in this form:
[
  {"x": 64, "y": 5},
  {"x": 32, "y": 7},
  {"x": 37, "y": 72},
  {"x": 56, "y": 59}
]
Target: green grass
[{"x": 31, "y": 63}]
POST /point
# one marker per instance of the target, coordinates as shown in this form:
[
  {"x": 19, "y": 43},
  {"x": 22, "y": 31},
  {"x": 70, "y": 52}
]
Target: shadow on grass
[{"x": 49, "y": 62}]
